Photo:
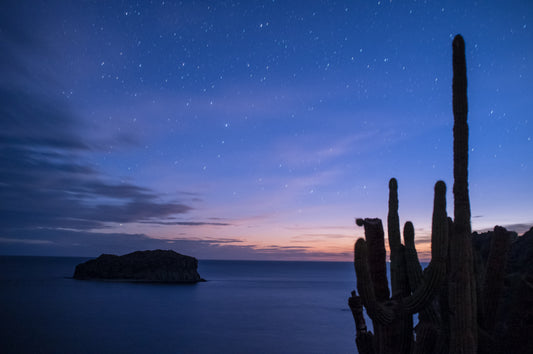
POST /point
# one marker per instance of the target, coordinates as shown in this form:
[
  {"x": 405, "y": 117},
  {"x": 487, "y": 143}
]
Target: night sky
[{"x": 253, "y": 129}]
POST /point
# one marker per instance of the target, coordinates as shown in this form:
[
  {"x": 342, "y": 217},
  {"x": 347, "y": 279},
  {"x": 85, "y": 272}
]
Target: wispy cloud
[
  {"x": 327, "y": 227},
  {"x": 46, "y": 180},
  {"x": 313, "y": 149}
]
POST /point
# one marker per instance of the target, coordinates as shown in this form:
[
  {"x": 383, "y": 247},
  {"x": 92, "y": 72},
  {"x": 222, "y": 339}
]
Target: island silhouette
[{"x": 156, "y": 266}]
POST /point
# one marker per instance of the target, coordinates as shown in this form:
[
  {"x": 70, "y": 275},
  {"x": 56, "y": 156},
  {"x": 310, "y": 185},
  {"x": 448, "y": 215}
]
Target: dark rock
[
  {"x": 521, "y": 257},
  {"x": 142, "y": 266},
  {"x": 514, "y": 319}
]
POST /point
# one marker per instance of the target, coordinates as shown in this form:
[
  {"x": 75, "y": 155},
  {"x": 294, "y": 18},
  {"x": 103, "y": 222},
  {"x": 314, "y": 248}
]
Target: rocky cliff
[
  {"x": 142, "y": 266},
  {"x": 514, "y": 318}
]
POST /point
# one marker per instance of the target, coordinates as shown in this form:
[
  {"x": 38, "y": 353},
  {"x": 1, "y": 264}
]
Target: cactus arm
[
  {"x": 376, "y": 311},
  {"x": 436, "y": 271},
  {"x": 429, "y": 314},
  {"x": 413, "y": 267},
  {"x": 393, "y": 226},
  {"x": 356, "y": 306},
  {"x": 393, "y": 220},
  {"x": 415, "y": 275},
  {"x": 363, "y": 338},
  {"x": 439, "y": 225},
  {"x": 398, "y": 271},
  {"x": 375, "y": 239},
  {"x": 426, "y": 292}
]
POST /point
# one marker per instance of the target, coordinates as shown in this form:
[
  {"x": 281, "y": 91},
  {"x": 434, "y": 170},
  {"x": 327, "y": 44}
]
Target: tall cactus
[{"x": 461, "y": 282}]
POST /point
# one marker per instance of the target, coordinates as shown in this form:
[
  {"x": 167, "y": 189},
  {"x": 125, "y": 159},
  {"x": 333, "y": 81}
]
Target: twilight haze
[{"x": 253, "y": 129}]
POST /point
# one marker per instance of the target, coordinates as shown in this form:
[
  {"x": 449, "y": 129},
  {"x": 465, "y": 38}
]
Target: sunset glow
[{"x": 253, "y": 130}]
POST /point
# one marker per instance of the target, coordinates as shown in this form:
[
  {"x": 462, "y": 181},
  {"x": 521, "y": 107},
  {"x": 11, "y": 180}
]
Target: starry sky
[{"x": 253, "y": 129}]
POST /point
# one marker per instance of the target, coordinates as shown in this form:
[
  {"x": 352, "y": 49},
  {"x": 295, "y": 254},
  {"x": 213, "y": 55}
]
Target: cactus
[
  {"x": 392, "y": 317},
  {"x": 399, "y": 282},
  {"x": 461, "y": 282},
  {"x": 457, "y": 299}
]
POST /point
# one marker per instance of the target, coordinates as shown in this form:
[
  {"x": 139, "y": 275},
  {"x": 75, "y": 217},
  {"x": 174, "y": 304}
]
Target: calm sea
[{"x": 244, "y": 307}]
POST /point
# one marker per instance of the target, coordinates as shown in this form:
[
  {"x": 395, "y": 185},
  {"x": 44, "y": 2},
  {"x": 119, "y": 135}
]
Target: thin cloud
[
  {"x": 24, "y": 241},
  {"x": 187, "y": 223},
  {"x": 303, "y": 228},
  {"x": 278, "y": 248},
  {"x": 91, "y": 244},
  {"x": 299, "y": 253},
  {"x": 313, "y": 237}
]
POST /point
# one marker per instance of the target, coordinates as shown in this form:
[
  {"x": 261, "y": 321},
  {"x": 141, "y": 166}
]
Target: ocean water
[{"x": 244, "y": 307}]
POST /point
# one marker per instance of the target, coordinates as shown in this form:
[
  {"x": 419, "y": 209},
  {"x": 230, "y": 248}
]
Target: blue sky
[{"x": 254, "y": 129}]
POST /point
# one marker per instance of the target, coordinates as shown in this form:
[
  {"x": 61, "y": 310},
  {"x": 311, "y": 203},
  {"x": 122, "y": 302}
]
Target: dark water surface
[{"x": 244, "y": 307}]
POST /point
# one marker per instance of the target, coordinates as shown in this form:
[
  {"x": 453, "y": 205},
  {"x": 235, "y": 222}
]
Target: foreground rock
[
  {"x": 142, "y": 266},
  {"x": 514, "y": 318}
]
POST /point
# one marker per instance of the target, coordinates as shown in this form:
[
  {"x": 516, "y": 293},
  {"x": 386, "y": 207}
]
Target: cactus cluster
[
  {"x": 413, "y": 291},
  {"x": 457, "y": 295}
]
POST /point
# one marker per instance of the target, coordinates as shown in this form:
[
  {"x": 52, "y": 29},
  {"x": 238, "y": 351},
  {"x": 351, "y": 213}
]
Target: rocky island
[{"x": 157, "y": 266}]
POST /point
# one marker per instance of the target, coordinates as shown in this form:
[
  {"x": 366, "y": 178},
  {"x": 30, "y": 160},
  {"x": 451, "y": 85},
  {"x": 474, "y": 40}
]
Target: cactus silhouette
[
  {"x": 456, "y": 298},
  {"x": 461, "y": 284},
  {"x": 392, "y": 316}
]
